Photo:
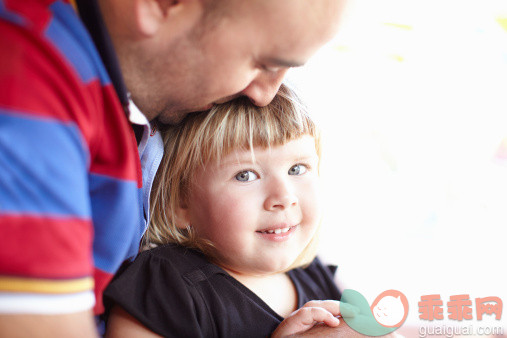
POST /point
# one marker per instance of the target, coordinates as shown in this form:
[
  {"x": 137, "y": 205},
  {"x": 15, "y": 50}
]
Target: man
[{"x": 70, "y": 185}]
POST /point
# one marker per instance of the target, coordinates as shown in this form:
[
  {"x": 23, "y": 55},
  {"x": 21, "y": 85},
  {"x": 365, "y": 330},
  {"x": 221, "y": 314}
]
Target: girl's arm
[{"x": 122, "y": 324}]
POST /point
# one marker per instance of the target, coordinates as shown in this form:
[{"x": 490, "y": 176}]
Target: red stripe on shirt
[
  {"x": 101, "y": 280},
  {"x": 31, "y": 64},
  {"x": 45, "y": 247},
  {"x": 36, "y": 13},
  {"x": 127, "y": 160},
  {"x": 24, "y": 90}
]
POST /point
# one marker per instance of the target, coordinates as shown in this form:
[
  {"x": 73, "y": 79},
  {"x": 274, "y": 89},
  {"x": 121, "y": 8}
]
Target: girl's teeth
[{"x": 277, "y": 231}]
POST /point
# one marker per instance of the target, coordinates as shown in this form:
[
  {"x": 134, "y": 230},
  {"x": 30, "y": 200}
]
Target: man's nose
[
  {"x": 264, "y": 87},
  {"x": 280, "y": 196}
]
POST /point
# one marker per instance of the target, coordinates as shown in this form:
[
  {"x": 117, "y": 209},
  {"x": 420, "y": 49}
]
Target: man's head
[{"x": 181, "y": 56}]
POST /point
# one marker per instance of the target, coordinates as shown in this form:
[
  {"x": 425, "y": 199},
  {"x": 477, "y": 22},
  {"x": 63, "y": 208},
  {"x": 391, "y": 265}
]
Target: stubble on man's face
[{"x": 172, "y": 86}]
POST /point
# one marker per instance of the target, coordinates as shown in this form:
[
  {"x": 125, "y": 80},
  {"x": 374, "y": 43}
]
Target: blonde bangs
[{"x": 240, "y": 125}]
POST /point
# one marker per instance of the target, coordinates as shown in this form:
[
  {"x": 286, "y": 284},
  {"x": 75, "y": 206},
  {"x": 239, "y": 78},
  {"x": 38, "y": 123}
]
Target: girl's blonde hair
[{"x": 210, "y": 136}]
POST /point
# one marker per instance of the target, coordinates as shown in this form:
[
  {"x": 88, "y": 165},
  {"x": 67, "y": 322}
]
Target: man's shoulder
[{"x": 52, "y": 33}]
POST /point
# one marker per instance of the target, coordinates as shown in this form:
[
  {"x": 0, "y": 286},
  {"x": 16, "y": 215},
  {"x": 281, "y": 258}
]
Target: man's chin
[{"x": 174, "y": 118}]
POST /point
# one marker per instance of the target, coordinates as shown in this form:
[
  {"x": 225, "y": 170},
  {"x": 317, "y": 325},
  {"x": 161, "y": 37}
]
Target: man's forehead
[{"x": 290, "y": 31}]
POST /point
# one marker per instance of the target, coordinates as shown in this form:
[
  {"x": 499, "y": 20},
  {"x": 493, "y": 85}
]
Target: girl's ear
[
  {"x": 172, "y": 15},
  {"x": 182, "y": 216}
]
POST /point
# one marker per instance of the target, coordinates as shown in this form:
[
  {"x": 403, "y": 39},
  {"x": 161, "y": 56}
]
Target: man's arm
[{"x": 80, "y": 324}]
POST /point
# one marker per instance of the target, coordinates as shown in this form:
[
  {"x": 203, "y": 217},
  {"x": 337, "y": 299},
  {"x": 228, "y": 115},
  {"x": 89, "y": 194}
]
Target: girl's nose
[{"x": 280, "y": 196}]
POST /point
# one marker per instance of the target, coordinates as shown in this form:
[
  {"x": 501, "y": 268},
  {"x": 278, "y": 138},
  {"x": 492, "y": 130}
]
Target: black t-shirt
[{"x": 176, "y": 292}]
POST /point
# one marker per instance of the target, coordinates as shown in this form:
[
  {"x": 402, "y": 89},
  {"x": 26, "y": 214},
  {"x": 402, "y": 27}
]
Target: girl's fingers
[
  {"x": 332, "y": 306},
  {"x": 335, "y": 307},
  {"x": 307, "y": 317}
]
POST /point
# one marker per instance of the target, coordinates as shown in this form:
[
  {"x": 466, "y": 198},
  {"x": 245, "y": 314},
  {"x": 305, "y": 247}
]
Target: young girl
[{"x": 235, "y": 216}]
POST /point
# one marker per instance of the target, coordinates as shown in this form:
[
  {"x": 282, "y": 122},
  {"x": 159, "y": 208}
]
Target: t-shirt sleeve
[
  {"x": 45, "y": 219},
  {"x": 69, "y": 179},
  {"x": 153, "y": 291},
  {"x": 322, "y": 279}
]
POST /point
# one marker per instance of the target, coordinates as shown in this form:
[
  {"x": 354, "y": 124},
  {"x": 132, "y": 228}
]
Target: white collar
[{"x": 136, "y": 116}]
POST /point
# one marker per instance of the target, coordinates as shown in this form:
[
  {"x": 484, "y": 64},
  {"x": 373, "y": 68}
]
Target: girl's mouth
[
  {"x": 278, "y": 234},
  {"x": 277, "y": 231}
]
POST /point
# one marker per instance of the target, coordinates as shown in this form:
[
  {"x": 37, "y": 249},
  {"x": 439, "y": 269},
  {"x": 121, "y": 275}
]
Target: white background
[{"x": 412, "y": 99}]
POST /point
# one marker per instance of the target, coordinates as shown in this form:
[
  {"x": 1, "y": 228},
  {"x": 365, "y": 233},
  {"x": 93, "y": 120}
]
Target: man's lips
[{"x": 208, "y": 107}]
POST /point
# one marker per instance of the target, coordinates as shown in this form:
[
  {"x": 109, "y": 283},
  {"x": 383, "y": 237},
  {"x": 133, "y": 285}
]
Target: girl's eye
[
  {"x": 246, "y": 176},
  {"x": 298, "y": 169}
]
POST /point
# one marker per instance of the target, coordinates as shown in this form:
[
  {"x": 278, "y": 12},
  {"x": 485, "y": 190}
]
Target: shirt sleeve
[
  {"x": 69, "y": 168},
  {"x": 320, "y": 278},
  {"x": 45, "y": 218},
  {"x": 153, "y": 291}
]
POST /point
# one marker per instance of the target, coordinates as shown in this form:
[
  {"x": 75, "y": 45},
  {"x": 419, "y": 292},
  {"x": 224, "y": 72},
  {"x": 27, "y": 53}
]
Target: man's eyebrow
[{"x": 284, "y": 63}]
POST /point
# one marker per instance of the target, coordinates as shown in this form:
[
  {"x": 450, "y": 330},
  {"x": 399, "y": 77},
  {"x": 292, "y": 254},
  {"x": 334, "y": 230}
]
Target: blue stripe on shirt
[
  {"x": 43, "y": 167},
  {"x": 115, "y": 230},
  {"x": 72, "y": 39}
]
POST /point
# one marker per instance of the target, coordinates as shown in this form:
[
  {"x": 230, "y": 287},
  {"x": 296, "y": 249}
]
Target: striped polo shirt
[{"x": 70, "y": 177}]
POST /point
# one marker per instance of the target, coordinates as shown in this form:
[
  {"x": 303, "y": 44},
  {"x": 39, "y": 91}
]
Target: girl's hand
[{"x": 303, "y": 319}]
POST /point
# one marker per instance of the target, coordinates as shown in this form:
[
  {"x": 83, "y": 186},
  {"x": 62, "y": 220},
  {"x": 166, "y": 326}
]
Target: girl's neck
[{"x": 276, "y": 290}]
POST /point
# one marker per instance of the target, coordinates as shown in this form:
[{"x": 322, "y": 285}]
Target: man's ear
[{"x": 152, "y": 15}]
